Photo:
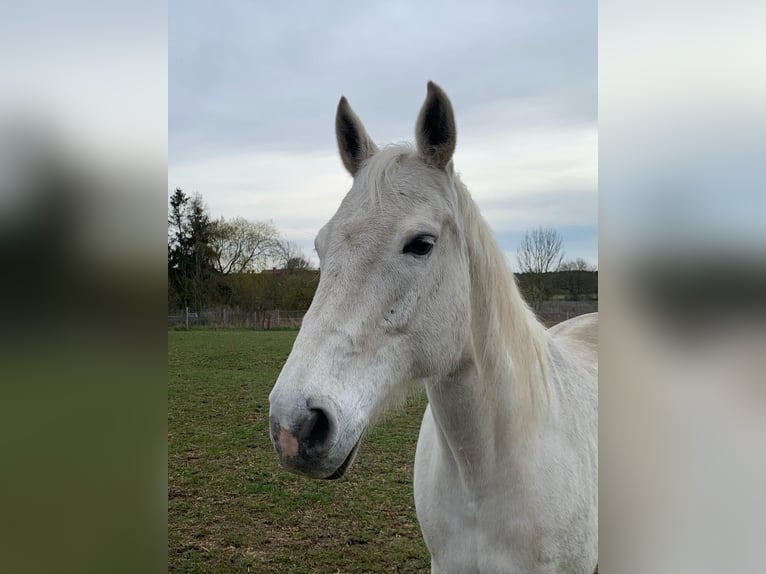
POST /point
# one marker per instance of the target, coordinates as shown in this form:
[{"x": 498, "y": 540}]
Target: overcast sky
[{"x": 253, "y": 91}]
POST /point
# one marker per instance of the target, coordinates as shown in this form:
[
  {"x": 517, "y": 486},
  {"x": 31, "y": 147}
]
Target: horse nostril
[
  {"x": 316, "y": 430},
  {"x": 274, "y": 429}
]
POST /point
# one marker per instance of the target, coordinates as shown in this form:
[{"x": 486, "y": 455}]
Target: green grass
[{"x": 231, "y": 508}]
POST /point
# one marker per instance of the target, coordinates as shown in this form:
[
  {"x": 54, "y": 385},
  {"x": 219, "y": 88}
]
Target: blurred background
[
  {"x": 682, "y": 247},
  {"x": 83, "y": 152},
  {"x": 84, "y": 194}
]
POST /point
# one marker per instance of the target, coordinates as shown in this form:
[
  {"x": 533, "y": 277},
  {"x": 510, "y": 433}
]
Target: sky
[{"x": 253, "y": 90}]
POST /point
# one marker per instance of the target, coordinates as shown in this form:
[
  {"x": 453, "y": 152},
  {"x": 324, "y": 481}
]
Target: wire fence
[
  {"x": 235, "y": 318},
  {"x": 552, "y": 312}
]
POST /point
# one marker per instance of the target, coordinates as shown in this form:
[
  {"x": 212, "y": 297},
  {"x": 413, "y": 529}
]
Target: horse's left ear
[{"x": 435, "y": 130}]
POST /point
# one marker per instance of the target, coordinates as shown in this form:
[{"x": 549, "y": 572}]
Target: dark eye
[{"x": 421, "y": 245}]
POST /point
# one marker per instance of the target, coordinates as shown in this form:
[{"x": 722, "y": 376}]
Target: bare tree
[
  {"x": 291, "y": 257},
  {"x": 540, "y": 252},
  {"x": 241, "y": 245},
  {"x": 578, "y": 264}
]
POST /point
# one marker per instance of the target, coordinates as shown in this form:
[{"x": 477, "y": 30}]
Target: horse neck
[{"x": 496, "y": 396}]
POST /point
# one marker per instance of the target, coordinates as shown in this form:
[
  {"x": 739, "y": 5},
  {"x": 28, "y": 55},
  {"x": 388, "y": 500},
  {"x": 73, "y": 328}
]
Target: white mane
[{"x": 502, "y": 322}]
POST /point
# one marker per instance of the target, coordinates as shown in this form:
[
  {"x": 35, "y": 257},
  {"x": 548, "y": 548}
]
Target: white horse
[{"x": 414, "y": 288}]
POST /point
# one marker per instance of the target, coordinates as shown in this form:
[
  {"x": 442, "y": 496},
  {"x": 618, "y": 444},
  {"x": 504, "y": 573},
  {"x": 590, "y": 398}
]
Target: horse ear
[
  {"x": 354, "y": 144},
  {"x": 435, "y": 130}
]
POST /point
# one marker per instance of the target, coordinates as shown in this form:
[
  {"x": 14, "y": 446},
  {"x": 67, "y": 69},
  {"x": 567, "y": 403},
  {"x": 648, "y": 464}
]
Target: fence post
[
  {"x": 187, "y": 317},
  {"x": 277, "y": 320},
  {"x": 224, "y": 316}
]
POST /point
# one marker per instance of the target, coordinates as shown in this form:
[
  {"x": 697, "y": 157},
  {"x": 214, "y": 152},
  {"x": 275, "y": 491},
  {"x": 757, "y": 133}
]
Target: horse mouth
[{"x": 341, "y": 470}]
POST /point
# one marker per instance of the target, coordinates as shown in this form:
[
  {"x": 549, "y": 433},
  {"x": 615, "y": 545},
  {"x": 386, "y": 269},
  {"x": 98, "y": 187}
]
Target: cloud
[
  {"x": 253, "y": 91},
  {"x": 298, "y": 191},
  {"x": 546, "y": 177},
  {"x": 245, "y": 75}
]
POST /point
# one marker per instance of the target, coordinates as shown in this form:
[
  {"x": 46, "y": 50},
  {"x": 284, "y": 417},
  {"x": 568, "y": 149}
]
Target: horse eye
[{"x": 421, "y": 245}]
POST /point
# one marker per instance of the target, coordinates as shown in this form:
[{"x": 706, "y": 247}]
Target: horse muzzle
[{"x": 306, "y": 441}]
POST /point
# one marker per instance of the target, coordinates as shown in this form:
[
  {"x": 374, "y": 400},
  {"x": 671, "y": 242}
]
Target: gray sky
[{"x": 253, "y": 91}]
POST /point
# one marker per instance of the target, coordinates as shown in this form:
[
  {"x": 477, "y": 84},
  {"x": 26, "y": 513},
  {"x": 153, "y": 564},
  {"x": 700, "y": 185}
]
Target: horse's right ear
[{"x": 354, "y": 144}]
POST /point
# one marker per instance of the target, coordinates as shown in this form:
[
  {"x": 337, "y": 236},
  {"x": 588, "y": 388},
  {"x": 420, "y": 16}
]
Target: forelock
[
  {"x": 378, "y": 176},
  {"x": 377, "y": 173}
]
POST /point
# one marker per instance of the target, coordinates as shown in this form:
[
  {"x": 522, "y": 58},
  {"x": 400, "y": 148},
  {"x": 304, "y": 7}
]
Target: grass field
[{"x": 231, "y": 508}]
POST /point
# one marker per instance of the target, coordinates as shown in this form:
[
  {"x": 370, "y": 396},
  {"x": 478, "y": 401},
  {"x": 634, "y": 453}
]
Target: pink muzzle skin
[{"x": 288, "y": 444}]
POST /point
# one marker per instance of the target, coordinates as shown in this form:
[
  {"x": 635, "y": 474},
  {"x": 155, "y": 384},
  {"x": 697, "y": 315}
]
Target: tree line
[
  {"x": 544, "y": 274},
  {"x": 249, "y": 265},
  {"x": 223, "y": 262}
]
